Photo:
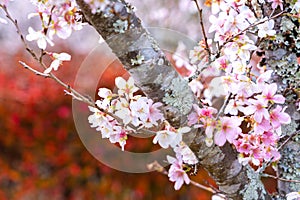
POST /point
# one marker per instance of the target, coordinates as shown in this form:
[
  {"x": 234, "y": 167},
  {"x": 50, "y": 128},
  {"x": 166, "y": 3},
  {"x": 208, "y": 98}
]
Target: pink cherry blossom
[
  {"x": 234, "y": 21},
  {"x": 266, "y": 29},
  {"x": 269, "y": 138},
  {"x": 197, "y": 87},
  {"x": 119, "y": 135},
  {"x": 278, "y": 117},
  {"x": 122, "y": 110},
  {"x": 243, "y": 147},
  {"x": 154, "y": 114},
  {"x": 271, "y": 153},
  {"x": 228, "y": 131},
  {"x": 261, "y": 127},
  {"x": 200, "y": 113},
  {"x": 176, "y": 172},
  {"x": 264, "y": 77},
  {"x": 233, "y": 107},
  {"x": 140, "y": 108},
  {"x": 258, "y": 108},
  {"x": 276, "y": 3},
  {"x": 269, "y": 94}
]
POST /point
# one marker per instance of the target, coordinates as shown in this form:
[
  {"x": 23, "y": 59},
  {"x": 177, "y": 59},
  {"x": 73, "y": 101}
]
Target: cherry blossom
[
  {"x": 261, "y": 127},
  {"x": 154, "y": 114},
  {"x": 258, "y": 108},
  {"x": 118, "y": 135},
  {"x": 126, "y": 88},
  {"x": 228, "y": 131},
  {"x": 200, "y": 113},
  {"x": 176, "y": 172},
  {"x": 269, "y": 94},
  {"x": 169, "y": 136},
  {"x": 276, "y": 3},
  {"x": 40, "y": 37},
  {"x": 165, "y": 137},
  {"x": 266, "y": 29},
  {"x": 123, "y": 111},
  {"x": 233, "y": 107},
  {"x": 197, "y": 87},
  {"x": 58, "y": 60},
  {"x": 187, "y": 155},
  {"x": 264, "y": 77},
  {"x": 139, "y": 109},
  {"x": 106, "y": 96},
  {"x": 234, "y": 22},
  {"x": 278, "y": 117}
]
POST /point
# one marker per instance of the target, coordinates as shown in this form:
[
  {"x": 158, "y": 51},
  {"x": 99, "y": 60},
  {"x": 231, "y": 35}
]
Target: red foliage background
[{"x": 41, "y": 154}]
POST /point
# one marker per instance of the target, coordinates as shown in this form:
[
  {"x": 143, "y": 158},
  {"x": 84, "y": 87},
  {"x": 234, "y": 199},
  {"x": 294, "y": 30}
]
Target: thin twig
[
  {"x": 71, "y": 91},
  {"x": 15, "y": 22},
  {"x": 157, "y": 167},
  {"x": 287, "y": 140},
  {"x": 281, "y": 179},
  {"x": 203, "y": 29},
  {"x": 224, "y": 105},
  {"x": 33, "y": 70}
]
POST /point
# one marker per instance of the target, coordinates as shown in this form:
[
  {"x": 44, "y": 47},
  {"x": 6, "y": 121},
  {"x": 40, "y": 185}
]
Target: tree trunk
[{"x": 282, "y": 55}]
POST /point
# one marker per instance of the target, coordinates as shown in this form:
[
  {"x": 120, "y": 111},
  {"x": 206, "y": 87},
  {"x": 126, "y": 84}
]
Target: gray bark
[{"x": 281, "y": 55}]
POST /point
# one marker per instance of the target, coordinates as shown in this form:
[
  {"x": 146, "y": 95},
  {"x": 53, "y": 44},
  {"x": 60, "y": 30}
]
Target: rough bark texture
[
  {"x": 282, "y": 56},
  {"x": 154, "y": 74},
  {"x": 160, "y": 82}
]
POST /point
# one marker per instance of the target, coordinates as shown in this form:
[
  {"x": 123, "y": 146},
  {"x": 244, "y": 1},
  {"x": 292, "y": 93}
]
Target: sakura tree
[{"x": 247, "y": 59}]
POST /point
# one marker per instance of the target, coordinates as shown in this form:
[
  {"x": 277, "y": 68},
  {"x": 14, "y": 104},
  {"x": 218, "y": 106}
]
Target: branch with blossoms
[
  {"x": 200, "y": 11},
  {"x": 176, "y": 170},
  {"x": 58, "y": 60},
  {"x": 245, "y": 131}
]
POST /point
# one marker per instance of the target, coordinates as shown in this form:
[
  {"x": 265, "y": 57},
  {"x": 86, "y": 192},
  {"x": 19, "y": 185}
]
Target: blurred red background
[{"x": 41, "y": 154}]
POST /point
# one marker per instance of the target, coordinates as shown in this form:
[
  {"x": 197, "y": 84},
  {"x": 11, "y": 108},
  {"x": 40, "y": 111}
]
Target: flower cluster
[
  {"x": 256, "y": 101},
  {"x": 131, "y": 110},
  {"x": 177, "y": 172},
  {"x": 252, "y": 115},
  {"x": 253, "y": 102},
  {"x": 117, "y": 115},
  {"x": 57, "y": 18},
  {"x": 108, "y": 126}
]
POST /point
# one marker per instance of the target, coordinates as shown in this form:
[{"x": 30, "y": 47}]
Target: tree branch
[
  {"x": 154, "y": 76},
  {"x": 159, "y": 81}
]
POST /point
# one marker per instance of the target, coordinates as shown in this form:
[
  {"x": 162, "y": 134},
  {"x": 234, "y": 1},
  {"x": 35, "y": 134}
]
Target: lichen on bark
[
  {"x": 282, "y": 55},
  {"x": 136, "y": 41}
]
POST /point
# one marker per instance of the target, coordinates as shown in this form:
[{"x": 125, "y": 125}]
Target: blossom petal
[{"x": 220, "y": 138}]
